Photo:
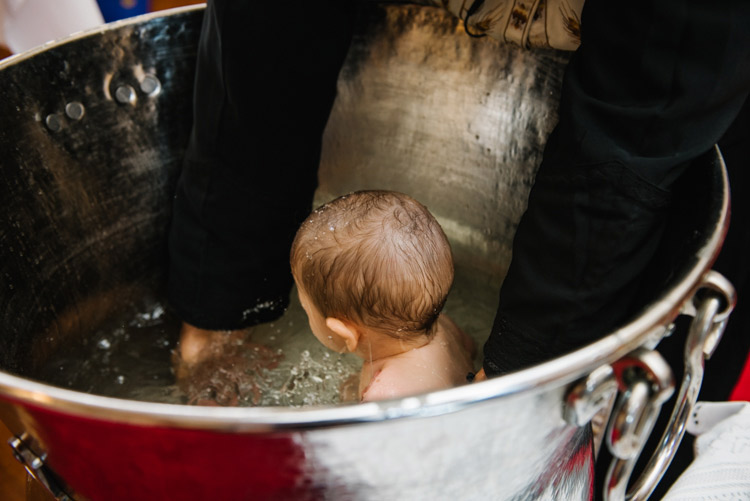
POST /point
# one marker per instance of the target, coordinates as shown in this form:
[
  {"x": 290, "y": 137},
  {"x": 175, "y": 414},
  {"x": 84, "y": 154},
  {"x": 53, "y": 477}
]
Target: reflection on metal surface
[
  {"x": 125, "y": 94},
  {"x": 724, "y": 290},
  {"x": 74, "y": 110},
  {"x": 587, "y": 397},
  {"x": 705, "y": 329},
  {"x": 54, "y": 122},
  {"x": 150, "y": 85},
  {"x": 646, "y": 382},
  {"x": 458, "y": 123},
  {"x": 34, "y": 465}
]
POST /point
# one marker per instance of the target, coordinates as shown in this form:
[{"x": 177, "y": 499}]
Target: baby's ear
[{"x": 346, "y": 331}]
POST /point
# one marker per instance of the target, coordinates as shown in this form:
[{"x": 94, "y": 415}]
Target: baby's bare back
[{"x": 442, "y": 363}]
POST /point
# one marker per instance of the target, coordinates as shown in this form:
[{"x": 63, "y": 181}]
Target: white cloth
[
  {"x": 25, "y": 24},
  {"x": 721, "y": 468}
]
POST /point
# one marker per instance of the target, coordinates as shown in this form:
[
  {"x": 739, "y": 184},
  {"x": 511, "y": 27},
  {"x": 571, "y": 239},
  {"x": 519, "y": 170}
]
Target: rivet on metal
[
  {"x": 588, "y": 396},
  {"x": 125, "y": 94},
  {"x": 75, "y": 110},
  {"x": 35, "y": 466},
  {"x": 150, "y": 85},
  {"x": 54, "y": 122}
]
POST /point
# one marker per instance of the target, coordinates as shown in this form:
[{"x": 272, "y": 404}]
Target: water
[{"x": 276, "y": 364}]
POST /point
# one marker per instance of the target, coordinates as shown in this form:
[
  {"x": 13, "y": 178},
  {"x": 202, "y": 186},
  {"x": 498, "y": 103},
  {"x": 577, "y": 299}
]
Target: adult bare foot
[
  {"x": 221, "y": 367},
  {"x": 197, "y": 345}
]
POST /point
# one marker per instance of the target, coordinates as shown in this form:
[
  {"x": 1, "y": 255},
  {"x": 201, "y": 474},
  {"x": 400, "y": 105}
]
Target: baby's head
[{"x": 377, "y": 259}]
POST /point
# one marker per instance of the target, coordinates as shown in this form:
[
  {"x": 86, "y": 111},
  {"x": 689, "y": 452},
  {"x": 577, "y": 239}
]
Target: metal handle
[
  {"x": 703, "y": 336},
  {"x": 35, "y": 467}
]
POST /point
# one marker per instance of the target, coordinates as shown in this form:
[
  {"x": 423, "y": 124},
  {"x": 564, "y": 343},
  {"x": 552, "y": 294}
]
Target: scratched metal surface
[
  {"x": 90, "y": 153},
  {"x": 83, "y": 195},
  {"x": 458, "y": 123},
  {"x": 520, "y": 450},
  {"x": 86, "y": 200}
]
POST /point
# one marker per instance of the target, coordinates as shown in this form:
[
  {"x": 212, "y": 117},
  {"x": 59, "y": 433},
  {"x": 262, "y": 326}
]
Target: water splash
[{"x": 132, "y": 356}]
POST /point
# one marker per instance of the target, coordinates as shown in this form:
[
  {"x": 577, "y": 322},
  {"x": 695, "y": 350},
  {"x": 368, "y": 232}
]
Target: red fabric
[{"x": 742, "y": 388}]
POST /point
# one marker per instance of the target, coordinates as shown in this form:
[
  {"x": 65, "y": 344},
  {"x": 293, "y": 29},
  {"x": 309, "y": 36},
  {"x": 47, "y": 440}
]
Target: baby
[{"x": 373, "y": 270}]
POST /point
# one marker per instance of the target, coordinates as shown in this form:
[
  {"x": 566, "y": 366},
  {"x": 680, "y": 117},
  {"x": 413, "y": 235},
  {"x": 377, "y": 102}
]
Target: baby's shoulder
[
  {"x": 454, "y": 338},
  {"x": 390, "y": 381}
]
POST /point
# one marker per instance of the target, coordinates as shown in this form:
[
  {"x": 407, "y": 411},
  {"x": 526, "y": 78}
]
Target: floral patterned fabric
[{"x": 528, "y": 23}]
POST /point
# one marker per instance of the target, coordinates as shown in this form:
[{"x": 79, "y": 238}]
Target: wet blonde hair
[{"x": 376, "y": 258}]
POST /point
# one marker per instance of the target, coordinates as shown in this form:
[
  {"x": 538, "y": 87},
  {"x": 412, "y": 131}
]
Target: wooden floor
[{"x": 12, "y": 474}]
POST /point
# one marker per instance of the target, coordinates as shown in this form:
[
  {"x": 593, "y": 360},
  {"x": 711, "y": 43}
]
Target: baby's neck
[{"x": 379, "y": 346}]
